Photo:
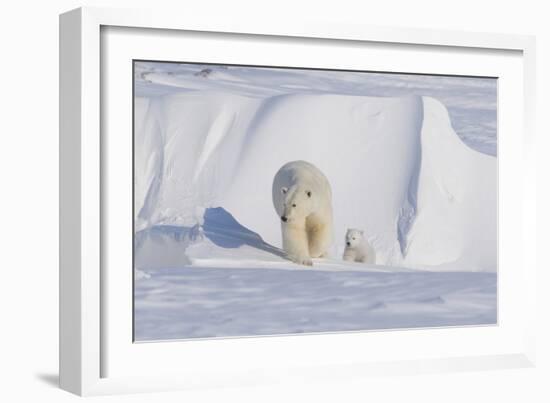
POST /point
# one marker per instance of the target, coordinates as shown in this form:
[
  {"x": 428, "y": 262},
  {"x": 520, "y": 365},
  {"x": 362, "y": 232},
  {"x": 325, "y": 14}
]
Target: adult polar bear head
[
  {"x": 297, "y": 203},
  {"x": 302, "y": 198}
]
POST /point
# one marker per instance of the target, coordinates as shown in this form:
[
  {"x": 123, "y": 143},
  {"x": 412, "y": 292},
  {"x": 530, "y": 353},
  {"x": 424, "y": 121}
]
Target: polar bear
[
  {"x": 358, "y": 248},
  {"x": 302, "y": 198}
]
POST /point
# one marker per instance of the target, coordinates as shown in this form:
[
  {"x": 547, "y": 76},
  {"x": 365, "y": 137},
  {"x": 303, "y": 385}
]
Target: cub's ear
[
  {"x": 284, "y": 190},
  {"x": 308, "y": 192},
  {"x": 362, "y": 232}
]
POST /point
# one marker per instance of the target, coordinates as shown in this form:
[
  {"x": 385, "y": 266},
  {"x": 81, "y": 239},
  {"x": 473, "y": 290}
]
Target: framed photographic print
[
  {"x": 358, "y": 200},
  {"x": 248, "y": 203}
]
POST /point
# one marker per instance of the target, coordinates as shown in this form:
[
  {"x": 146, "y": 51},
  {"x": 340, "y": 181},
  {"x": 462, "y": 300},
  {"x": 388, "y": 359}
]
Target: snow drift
[{"x": 397, "y": 170}]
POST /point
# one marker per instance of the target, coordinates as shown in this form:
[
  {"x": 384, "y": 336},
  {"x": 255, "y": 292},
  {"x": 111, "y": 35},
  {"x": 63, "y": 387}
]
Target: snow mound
[
  {"x": 212, "y": 241},
  {"x": 397, "y": 170}
]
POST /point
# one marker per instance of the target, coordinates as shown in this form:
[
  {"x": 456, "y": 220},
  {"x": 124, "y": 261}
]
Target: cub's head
[
  {"x": 354, "y": 237},
  {"x": 298, "y": 203}
]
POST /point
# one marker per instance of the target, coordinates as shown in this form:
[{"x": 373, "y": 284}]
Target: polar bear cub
[
  {"x": 358, "y": 248},
  {"x": 302, "y": 198}
]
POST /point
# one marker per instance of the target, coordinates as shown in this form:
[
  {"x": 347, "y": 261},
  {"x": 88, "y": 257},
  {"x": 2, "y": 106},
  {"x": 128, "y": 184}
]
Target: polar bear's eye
[
  {"x": 294, "y": 205},
  {"x": 353, "y": 239},
  {"x": 308, "y": 193}
]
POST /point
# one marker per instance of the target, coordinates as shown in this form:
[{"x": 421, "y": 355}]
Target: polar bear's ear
[
  {"x": 308, "y": 192},
  {"x": 362, "y": 232},
  {"x": 284, "y": 190}
]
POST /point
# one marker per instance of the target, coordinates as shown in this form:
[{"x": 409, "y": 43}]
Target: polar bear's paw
[{"x": 303, "y": 260}]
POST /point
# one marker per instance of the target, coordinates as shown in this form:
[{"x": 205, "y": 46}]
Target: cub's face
[
  {"x": 297, "y": 204},
  {"x": 354, "y": 237}
]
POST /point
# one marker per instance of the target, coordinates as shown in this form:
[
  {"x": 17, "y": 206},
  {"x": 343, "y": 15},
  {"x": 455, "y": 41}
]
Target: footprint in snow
[
  {"x": 377, "y": 305},
  {"x": 432, "y": 300}
]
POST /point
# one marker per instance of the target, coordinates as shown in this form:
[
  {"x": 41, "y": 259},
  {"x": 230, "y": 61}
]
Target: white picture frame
[{"x": 85, "y": 344}]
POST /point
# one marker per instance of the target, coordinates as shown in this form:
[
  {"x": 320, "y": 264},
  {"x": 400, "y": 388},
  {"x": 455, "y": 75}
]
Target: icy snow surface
[{"x": 208, "y": 141}]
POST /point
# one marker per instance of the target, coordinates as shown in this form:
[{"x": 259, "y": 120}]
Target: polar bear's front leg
[
  {"x": 319, "y": 233},
  {"x": 295, "y": 244}
]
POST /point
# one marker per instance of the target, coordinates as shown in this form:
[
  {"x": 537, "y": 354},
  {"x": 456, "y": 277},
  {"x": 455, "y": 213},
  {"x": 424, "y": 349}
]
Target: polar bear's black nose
[
  {"x": 283, "y": 218},
  {"x": 348, "y": 243}
]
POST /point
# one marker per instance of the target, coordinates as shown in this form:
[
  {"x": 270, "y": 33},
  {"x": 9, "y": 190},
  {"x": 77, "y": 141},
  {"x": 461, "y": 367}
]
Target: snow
[
  {"x": 198, "y": 302},
  {"x": 207, "y": 145}
]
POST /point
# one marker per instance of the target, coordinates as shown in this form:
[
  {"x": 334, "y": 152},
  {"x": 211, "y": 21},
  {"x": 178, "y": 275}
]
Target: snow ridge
[
  {"x": 424, "y": 199},
  {"x": 408, "y": 212}
]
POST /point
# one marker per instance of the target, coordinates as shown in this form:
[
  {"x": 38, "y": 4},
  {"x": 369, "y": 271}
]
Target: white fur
[
  {"x": 302, "y": 194},
  {"x": 358, "y": 248}
]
